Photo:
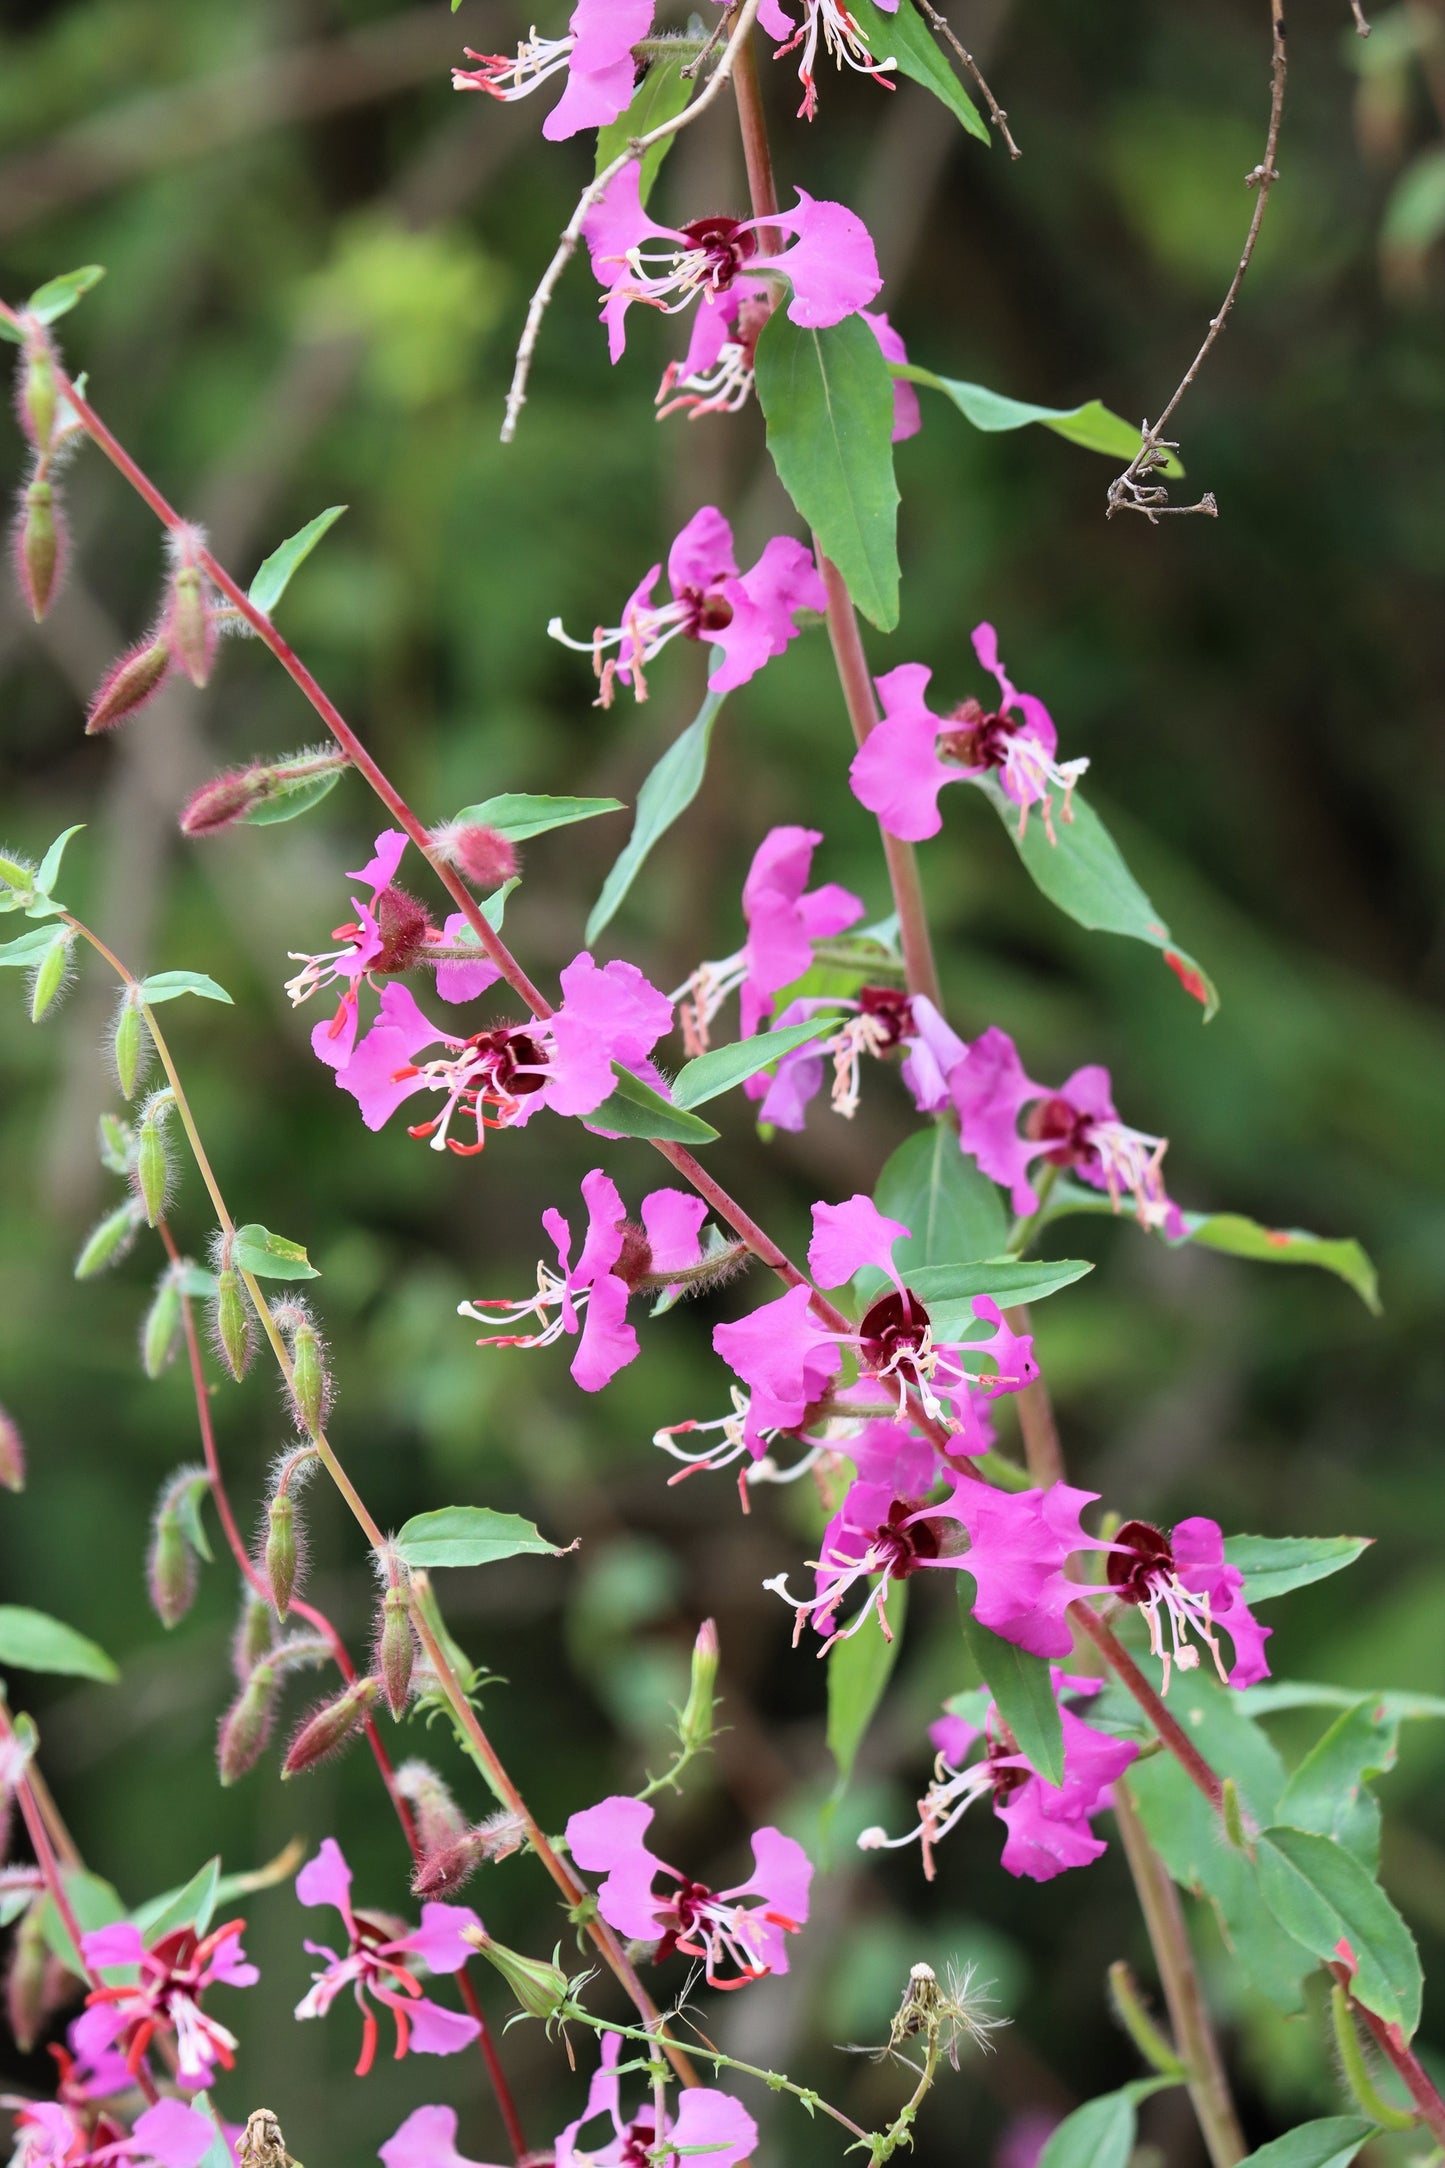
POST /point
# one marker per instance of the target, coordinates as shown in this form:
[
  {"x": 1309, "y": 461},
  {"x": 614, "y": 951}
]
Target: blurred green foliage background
[{"x": 318, "y": 261}]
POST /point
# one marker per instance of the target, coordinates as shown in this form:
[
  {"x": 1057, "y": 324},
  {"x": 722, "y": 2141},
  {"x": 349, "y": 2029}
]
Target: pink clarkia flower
[
  {"x": 1019, "y": 1543},
  {"x": 164, "y": 1999},
  {"x": 596, "y": 54},
  {"x": 843, "y": 43},
  {"x": 591, "y": 1296},
  {"x": 167, "y": 2135},
  {"x": 707, "y": 2126},
  {"x": 1048, "y": 1825},
  {"x": 390, "y": 933},
  {"x": 1184, "y": 1576},
  {"x": 376, "y": 1965},
  {"x": 879, "y": 1022},
  {"x": 1008, "y": 1123},
  {"x": 784, "y": 918},
  {"x": 427, "y": 2139},
  {"x": 830, "y": 266},
  {"x": 905, "y": 761},
  {"x": 499, "y": 1079},
  {"x": 750, "y": 616},
  {"x": 717, "y": 373},
  {"x": 736, "y": 1942}
]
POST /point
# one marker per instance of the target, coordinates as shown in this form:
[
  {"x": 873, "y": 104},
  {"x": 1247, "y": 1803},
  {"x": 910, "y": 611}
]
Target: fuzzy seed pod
[
  {"x": 38, "y": 402},
  {"x": 152, "y": 1159},
  {"x": 247, "y": 1724},
  {"x": 439, "y": 1820},
  {"x": 171, "y": 1565},
  {"x": 234, "y": 1326},
  {"x": 162, "y": 1326},
  {"x": 40, "y": 541},
  {"x": 190, "y": 626},
  {"x": 129, "y": 684},
  {"x": 49, "y": 974},
  {"x": 310, "y": 1386},
  {"x": 108, "y": 1241},
  {"x": 12, "y": 1455},
  {"x": 253, "y": 1636},
  {"x": 329, "y": 1727},
  {"x": 396, "y": 1649},
  {"x": 280, "y": 1553},
  {"x": 25, "y": 1982}
]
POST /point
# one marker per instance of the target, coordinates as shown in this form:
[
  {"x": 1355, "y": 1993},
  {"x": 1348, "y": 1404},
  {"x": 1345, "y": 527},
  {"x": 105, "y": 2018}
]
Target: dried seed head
[
  {"x": 484, "y": 855},
  {"x": 129, "y": 684},
  {"x": 330, "y": 1726},
  {"x": 247, "y": 1724},
  {"x": 12, "y": 1454}
]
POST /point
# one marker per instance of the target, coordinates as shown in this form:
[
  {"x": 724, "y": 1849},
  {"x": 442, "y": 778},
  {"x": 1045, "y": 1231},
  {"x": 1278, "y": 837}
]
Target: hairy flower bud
[
  {"x": 247, "y": 1724},
  {"x": 12, "y": 1455},
  {"x": 542, "y": 1989},
  {"x": 696, "y": 1721},
  {"x": 253, "y": 1636},
  {"x": 242, "y": 793},
  {"x": 484, "y": 855},
  {"x": 329, "y": 1727},
  {"x": 108, "y": 1240},
  {"x": 439, "y": 1820},
  {"x": 152, "y": 1159},
  {"x": 129, "y": 684},
  {"x": 161, "y": 1327},
  {"x": 190, "y": 624},
  {"x": 115, "y": 1141},
  {"x": 129, "y": 1042},
  {"x": 38, "y": 400},
  {"x": 450, "y": 1867},
  {"x": 280, "y": 1553},
  {"x": 48, "y": 976},
  {"x": 310, "y": 1382},
  {"x": 25, "y": 1982},
  {"x": 40, "y": 542},
  {"x": 396, "y": 1649},
  {"x": 233, "y": 1324},
  {"x": 170, "y": 1565}
]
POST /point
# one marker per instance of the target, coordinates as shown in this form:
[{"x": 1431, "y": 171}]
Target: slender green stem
[
  {"x": 1356, "y": 2070},
  {"x": 706, "y": 2053}
]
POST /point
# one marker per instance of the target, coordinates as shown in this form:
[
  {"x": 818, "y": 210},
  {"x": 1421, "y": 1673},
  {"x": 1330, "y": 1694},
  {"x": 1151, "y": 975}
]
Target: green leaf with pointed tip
[
  {"x": 270, "y": 1257},
  {"x": 636, "y": 1110},
  {"x": 1276, "y": 1694},
  {"x": 906, "y": 41},
  {"x": 1084, "y": 874},
  {"x": 1330, "y": 1792},
  {"x": 859, "y": 1669},
  {"x": 518, "y": 816},
  {"x": 827, "y": 400},
  {"x": 1021, "y": 1688},
  {"x": 10, "y": 332},
  {"x": 28, "y": 948},
  {"x": 95, "y": 1903},
  {"x": 274, "y": 576},
  {"x": 471, "y": 1536},
  {"x": 190, "y": 1906},
  {"x": 218, "y": 2154},
  {"x": 59, "y": 295},
  {"x": 169, "y": 985},
  {"x": 659, "y": 97},
  {"x": 1322, "y": 1896},
  {"x": 955, "y": 1212},
  {"x": 33, "y": 1641},
  {"x": 1331, "y": 2142},
  {"x": 711, "y": 1074},
  {"x": 188, "y": 1511},
  {"x": 667, "y": 793},
  {"x": 287, "y": 801},
  {"x": 1241, "y": 1237},
  {"x": 1101, "y": 2133},
  {"x": 1092, "y": 425},
  {"x": 49, "y": 869},
  {"x": 1273, "y": 1565},
  {"x": 948, "y": 1290}
]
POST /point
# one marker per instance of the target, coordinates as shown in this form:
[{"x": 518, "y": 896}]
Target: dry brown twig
[
  {"x": 1134, "y": 490},
  {"x": 995, "y": 111}
]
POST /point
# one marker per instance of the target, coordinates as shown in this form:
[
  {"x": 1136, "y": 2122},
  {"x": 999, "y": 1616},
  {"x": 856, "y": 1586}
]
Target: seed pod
[
  {"x": 190, "y": 629},
  {"x": 129, "y": 1042},
  {"x": 162, "y": 1325},
  {"x": 12, "y": 1455},
  {"x": 37, "y": 397},
  {"x": 540, "y": 1988},
  {"x": 396, "y": 1649},
  {"x": 39, "y": 546},
  {"x": 234, "y": 1327},
  {"x": 247, "y": 1724},
  {"x": 280, "y": 1554},
  {"x": 108, "y": 1241},
  {"x": 309, "y": 1384},
  {"x": 25, "y": 1979},
  {"x": 253, "y": 1636},
  {"x": 49, "y": 975},
  {"x": 129, "y": 684},
  {"x": 152, "y": 1160},
  {"x": 171, "y": 1566},
  {"x": 328, "y": 1728}
]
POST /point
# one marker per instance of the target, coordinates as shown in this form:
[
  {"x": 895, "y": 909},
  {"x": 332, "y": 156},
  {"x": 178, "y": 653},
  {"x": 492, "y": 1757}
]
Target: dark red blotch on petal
[{"x": 1143, "y": 1550}]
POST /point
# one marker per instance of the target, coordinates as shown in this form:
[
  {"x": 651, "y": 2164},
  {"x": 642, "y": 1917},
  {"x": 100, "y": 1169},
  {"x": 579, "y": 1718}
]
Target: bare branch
[{"x": 996, "y": 112}]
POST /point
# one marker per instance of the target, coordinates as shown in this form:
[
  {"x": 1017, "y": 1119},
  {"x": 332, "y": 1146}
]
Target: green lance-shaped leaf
[
  {"x": 1021, "y": 1688},
  {"x": 288, "y": 797},
  {"x": 270, "y": 1257},
  {"x": 33, "y": 1641},
  {"x": 471, "y": 1536},
  {"x": 170, "y": 985},
  {"x": 659, "y": 97},
  {"x": 1101, "y": 2133},
  {"x": 1277, "y": 1694},
  {"x": 48, "y": 873},
  {"x": 716, "y": 1072},
  {"x": 1275, "y": 1565},
  {"x": 667, "y": 793},
  {"x": 1331, "y": 2142},
  {"x": 906, "y": 40},
  {"x": 27, "y": 949},
  {"x": 827, "y": 400},
  {"x": 193, "y": 1905},
  {"x": 1330, "y": 1791},
  {"x": 59, "y": 295},
  {"x": 859, "y": 1668},
  {"x": 275, "y": 574},
  {"x": 1084, "y": 874},
  {"x": 518, "y": 816},
  {"x": 634, "y": 1109},
  {"x": 1320, "y": 1894},
  {"x": 949, "y": 1290},
  {"x": 955, "y": 1213},
  {"x": 1091, "y": 425},
  {"x": 95, "y": 1903}
]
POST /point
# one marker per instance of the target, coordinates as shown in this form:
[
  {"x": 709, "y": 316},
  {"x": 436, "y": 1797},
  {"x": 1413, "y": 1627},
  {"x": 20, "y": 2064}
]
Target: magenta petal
[
  {"x": 120, "y": 1944},
  {"x": 608, "y": 1343},
  {"x": 380, "y": 870},
  {"x": 672, "y": 1220},
  {"x": 934, "y": 1052},
  {"x": 326, "y": 1880},
  {"x": 592, "y": 99},
  {"x": 849, "y": 1235},
  {"x": 907, "y": 414},
  {"x": 435, "y": 2031},
  {"x": 333, "y": 1039},
  {"x": 990, "y": 1091},
  {"x": 1037, "y": 1845},
  {"x": 606, "y": 1219},
  {"x": 713, "y": 324},
  {"x": 719, "y": 2126},
  {"x": 702, "y": 556},
  {"x": 831, "y": 264},
  {"x": 438, "y": 1941},
  {"x": 764, "y": 603},
  {"x": 464, "y": 981},
  {"x": 371, "y": 1075},
  {"x": 1011, "y": 1352},
  {"x": 607, "y": 1015},
  {"x": 427, "y": 2139},
  {"x": 782, "y": 1874},
  {"x": 173, "y": 2134},
  {"x": 770, "y": 1350},
  {"x": 599, "y": 1836},
  {"x": 954, "y": 1739}
]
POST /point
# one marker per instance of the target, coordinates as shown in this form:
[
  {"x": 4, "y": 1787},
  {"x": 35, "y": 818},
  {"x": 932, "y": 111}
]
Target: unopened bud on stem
[
  {"x": 49, "y": 974},
  {"x": 25, "y": 1978},
  {"x": 171, "y": 1567},
  {"x": 38, "y": 401},
  {"x": 253, "y": 1636},
  {"x": 484, "y": 855},
  {"x": 233, "y": 1325},
  {"x": 162, "y": 1324},
  {"x": 108, "y": 1240},
  {"x": 130, "y": 1041},
  {"x": 190, "y": 629},
  {"x": 152, "y": 1158},
  {"x": 543, "y": 1990},
  {"x": 396, "y": 1648},
  {"x": 129, "y": 684},
  {"x": 327, "y": 1730},
  {"x": 39, "y": 545},
  {"x": 246, "y": 1725},
  {"x": 696, "y": 1722},
  {"x": 281, "y": 1552}
]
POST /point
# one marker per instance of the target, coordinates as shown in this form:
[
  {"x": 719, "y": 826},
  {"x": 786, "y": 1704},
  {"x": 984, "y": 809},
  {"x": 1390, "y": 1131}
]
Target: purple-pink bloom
[
  {"x": 164, "y": 1998},
  {"x": 880, "y": 1020},
  {"x": 591, "y": 1296},
  {"x": 374, "y": 1964},
  {"x": 905, "y": 761},
  {"x": 736, "y": 1942},
  {"x": 749, "y": 616},
  {"x": 596, "y": 54},
  {"x": 1019, "y": 1542},
  {"x": 907, "y": 414},
  {"x": 427, "y": 2139},
  {"x": 784, "y": 918},
  {"x": 166, "y": 2135},
  {"x": 831, "y": 266},
  {"x": 1008, "y": 1122},
  {"x": 707, "y": 2125},
  {"x": 1186, "y": 1577}
]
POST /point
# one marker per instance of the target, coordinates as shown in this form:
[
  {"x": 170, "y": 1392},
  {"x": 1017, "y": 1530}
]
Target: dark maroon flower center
[
  {"x": 894, "y": 1327},
  {"x": 635, "y": 1262},
  {"x": 404, "y": 928},
  {"x": 637, "y": 2144},
  {"x": 1005, "y": 1779},
  {"x": 1059, "y": 1124},
  {"x": 892, "y": 1010},
  {"x": 725, "y": 244},
  {"x": 708, "y": 612},
  {"x": 1144, "y": 1551},
  {"x": 513, "y": 1057},
  {"x": 900, "y": 1550},
  {"x": 976, "y": 739}
]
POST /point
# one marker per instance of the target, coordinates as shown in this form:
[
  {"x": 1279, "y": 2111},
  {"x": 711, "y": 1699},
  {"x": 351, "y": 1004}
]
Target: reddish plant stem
[
  {"x": 1393, "y": 2045},
  {"x": 1117, "y": 1657}
]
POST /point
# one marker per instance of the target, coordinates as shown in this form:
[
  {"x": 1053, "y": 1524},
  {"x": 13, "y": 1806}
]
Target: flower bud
[
  {"x": 25, "y": 1983},
  {"x": 49, "y": 974},
  {"x": 129, "y": 1042},
  {"x": 129, "y": 684},
  {"x": 152, "y": 1160},
  {"x": 329, "y": 1727},
  {"x": 310, "y": 1385},
  {"x": 439, "y": 1820},
  {"x": 108, "y": 1240},
  {"x": 696, "y": 1721},
  {"x": 161, "y": 1327},
  {"x": 246, "y": 1725},
  {"x": 190, "y": 627},
  {"x": 38, "y": 400},
  {"x": 12, "y": 1455},
  {"x": 224, "y": 800},
  {"x": 396, "y": 1649},
  {"x": 450, "y": 1867},
  {"x": 171, "y": 1564},
  {"x": 253, "y": 1636},
  {"x": 39, "y": 546},
  {"x": 115, "y": 1143},
  {"x": 280, "y": 1555},
  {"x": 234, "y": 1327},
  {"x": 543, "y": 1990},
  {"x": 241, "y": 793},
  {"x": 17, "y": 873},
  {"x": 484, "y": 855}
]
